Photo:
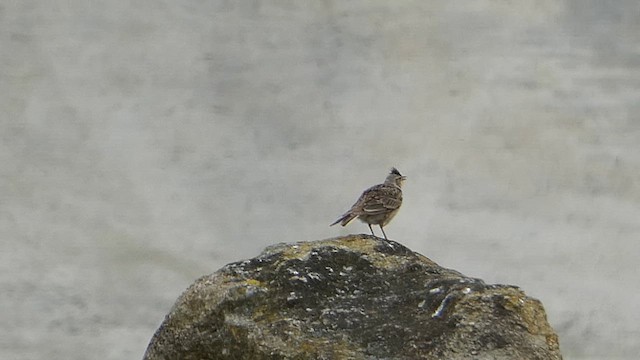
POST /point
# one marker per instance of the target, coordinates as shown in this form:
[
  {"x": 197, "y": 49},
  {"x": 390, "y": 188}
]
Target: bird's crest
[{"x": 395, "y": 171}]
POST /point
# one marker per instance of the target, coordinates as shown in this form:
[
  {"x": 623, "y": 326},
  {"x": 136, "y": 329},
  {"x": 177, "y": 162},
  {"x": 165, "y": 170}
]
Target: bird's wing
[{"x": 378, "y": 199}]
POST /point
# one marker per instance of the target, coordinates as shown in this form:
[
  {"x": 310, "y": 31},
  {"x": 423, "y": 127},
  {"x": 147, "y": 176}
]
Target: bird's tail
[{"x": 345, "y": 219}]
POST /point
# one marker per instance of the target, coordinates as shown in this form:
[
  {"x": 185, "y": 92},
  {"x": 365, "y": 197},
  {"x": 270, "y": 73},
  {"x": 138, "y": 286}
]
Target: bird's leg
[
  {"x": 385, "y": 235},
  {"x": 370, "y": 228}
]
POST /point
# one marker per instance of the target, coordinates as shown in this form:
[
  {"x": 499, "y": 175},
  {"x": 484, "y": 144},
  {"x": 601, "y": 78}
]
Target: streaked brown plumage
[{"x": 378, "y": 204}]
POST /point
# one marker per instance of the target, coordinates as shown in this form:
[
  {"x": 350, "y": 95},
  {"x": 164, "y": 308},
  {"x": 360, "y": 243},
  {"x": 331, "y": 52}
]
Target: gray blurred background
[{"x": 145, "y": 143}]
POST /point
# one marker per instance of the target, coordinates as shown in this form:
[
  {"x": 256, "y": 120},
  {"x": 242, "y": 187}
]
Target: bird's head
[{"x": 395, "y": 178}]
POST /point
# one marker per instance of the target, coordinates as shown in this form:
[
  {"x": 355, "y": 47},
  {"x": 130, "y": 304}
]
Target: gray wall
[{"x": 145, "y": 143}]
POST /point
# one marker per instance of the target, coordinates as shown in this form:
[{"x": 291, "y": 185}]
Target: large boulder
[{"x": 354, "y": 297}]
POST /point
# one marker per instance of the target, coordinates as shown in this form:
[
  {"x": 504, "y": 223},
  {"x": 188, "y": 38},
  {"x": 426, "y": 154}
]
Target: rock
[{"x": 354, "y": 297}]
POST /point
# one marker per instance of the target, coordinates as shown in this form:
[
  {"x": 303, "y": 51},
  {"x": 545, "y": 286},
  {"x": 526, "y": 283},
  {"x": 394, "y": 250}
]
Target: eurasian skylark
[{"x": 378, "y": 204}]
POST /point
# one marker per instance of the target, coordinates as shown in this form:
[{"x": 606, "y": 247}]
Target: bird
[{"x": 378, "y": 204}]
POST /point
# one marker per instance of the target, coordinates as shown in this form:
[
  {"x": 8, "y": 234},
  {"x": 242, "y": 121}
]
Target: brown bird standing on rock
[{"x": 378, "y": 204}]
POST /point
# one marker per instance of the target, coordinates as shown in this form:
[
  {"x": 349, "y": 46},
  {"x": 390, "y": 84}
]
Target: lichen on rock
[{"x": 354, "y": 297}]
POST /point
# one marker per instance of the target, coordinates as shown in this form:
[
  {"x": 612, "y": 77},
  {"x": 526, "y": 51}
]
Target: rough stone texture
[{"x": 355, "y": 297}]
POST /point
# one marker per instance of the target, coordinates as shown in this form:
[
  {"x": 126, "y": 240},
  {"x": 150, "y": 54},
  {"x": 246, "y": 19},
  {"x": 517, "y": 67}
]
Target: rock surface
[{"x": 354, "y": 297}]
